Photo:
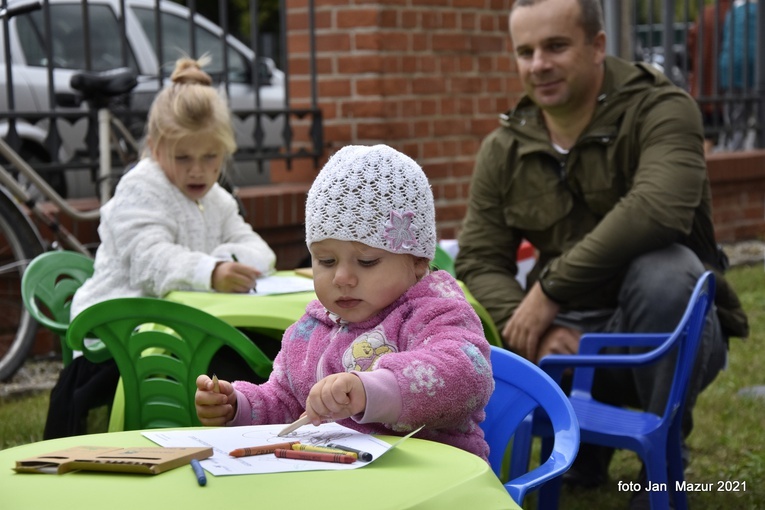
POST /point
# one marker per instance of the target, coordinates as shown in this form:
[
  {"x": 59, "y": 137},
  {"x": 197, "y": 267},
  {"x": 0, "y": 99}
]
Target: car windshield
[
  {"x": 176, "y": 44},
  {"x": 69, "y": 49}
]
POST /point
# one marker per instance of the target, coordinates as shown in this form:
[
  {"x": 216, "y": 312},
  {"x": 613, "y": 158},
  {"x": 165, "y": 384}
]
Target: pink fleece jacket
[{"x": 423, "y": 360}]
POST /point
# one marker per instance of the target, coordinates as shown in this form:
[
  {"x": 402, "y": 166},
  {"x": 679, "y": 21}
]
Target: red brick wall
[
  {"x": 738, "y": 195},
  {"x": 427, "y": 77}
]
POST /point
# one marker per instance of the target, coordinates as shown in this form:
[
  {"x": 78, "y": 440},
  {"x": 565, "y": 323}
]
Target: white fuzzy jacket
[{"x": 155, "y": 240}]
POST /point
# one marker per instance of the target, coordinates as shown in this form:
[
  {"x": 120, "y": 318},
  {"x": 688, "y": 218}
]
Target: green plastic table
[
  {"x": 417, "y": 474},
  {"x": 275, "y": 312}
]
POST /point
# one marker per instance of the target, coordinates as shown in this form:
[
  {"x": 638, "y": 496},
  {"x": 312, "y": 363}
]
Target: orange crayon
[
  {"x": 261, "y": 450},
  {"x": 322, "y": 457}
]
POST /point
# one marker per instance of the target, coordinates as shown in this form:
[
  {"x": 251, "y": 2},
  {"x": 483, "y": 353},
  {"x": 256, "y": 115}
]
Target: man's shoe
[
  {"x": 590, "y": 469},
  {"x": 641, "y": 500}
]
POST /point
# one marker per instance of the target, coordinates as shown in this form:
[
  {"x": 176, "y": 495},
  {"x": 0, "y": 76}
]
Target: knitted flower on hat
[{"x": 376, "y": 196}]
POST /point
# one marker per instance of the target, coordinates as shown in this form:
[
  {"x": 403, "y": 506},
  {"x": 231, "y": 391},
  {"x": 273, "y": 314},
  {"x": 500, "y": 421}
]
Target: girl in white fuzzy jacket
[{"x": 169, "y": 226}]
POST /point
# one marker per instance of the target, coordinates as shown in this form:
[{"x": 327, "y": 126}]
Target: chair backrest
[
  {"x": 443, "y": 261},
  {"x": 490, "y": 330},
  {"x": 160, "y": 348},
  {"x": 47, "y": 288},
  {"x": 687, "y": 337},
  {"x": 519, "y": 388}
]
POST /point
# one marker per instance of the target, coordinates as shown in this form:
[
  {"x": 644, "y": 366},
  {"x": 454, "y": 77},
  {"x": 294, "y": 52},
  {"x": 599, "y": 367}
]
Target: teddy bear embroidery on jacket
[{"x": 365, "y": 350}]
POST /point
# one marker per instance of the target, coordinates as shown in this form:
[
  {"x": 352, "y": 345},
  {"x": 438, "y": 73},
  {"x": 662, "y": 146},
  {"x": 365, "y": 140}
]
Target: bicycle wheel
[{"x": 19, "y": 244}]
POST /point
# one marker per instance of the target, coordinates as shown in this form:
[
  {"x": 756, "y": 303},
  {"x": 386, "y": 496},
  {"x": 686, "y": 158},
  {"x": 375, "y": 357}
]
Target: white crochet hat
[{"x": 376, "y": 196}]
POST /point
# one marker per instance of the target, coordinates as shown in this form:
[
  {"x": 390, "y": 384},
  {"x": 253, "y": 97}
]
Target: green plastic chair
[
  {"x": 160, "y": 348},
  {"x": 47, "y": 288},
  {"x": 443, "y": 261},
  {"x": 490, "y": 330}
]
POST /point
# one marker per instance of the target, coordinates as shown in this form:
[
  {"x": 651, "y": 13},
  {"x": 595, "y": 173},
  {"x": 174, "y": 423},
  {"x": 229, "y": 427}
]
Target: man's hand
[
  {"x": 234, "y": 277},
  {"x": 558, "y": 340},
  {"x": 531, "y": 319},
  {"x": 336, "y": 397}
]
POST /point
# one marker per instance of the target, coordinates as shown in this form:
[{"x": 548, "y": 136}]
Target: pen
[
  {"x": 235, "y": 259},
  {"x": 216, "y": 387},
  {"x": 199, "y": 472},
  {"x": 363, "y": 456},
  {"x": 322, "y": 449},
  {"x": 260, "y": 450},
  {"x": 303, "y": 420},
  {"x": 322, "y": 457}
]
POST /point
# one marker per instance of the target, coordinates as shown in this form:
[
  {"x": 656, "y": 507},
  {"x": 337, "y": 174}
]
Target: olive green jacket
[{"x": 635, "y": 181}]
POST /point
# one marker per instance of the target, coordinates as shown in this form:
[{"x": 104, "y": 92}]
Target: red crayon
[
  {"x": 322, "y": 457},
  {"x": 260, "y": 450}
]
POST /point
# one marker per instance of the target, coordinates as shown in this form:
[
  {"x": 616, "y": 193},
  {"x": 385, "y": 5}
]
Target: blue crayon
[
  {"x": 363, "y": 456},
  {"x": 199, "y": 472}
]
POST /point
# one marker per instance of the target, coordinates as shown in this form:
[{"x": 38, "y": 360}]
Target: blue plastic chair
[
  {"x": 519, "y": 388},
  {"x": 656, "y": 439}
]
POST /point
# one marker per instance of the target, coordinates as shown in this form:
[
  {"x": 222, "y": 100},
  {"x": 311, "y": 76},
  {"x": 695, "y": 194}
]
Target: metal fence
[
  {"x": 715, "y": 49},
  {"x": 41, "y": 49}
]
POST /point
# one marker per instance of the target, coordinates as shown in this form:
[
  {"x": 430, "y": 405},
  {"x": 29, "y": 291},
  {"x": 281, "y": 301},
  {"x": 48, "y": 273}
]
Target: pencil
[
  {"x": 263, "y": 449},
  {"x": 321, "y": 457},
  {"x": 304, "y": 420}
]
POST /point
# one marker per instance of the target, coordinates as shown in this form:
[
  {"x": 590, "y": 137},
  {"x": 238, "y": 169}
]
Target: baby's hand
[
  {"x": 214, "y": 409},
  {"x": 234, "y": 277},
  {"x": 336, "y": 397}
]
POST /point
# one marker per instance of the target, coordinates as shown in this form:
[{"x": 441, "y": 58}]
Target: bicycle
[{"x": 23, "y": 241}]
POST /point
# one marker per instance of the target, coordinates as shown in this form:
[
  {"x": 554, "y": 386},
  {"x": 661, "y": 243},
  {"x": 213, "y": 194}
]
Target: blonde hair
[{"x": 190, "y": 106}]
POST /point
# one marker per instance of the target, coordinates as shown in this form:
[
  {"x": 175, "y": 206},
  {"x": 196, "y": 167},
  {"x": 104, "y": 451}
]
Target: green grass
[
  {"x": 728, "y": 439},
  {"x": 22, "y": 420},
  {"x": 727, "y": 444}
]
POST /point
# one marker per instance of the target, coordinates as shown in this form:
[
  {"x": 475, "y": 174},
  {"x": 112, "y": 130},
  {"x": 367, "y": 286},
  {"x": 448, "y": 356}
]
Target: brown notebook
[{"x": 147, "y": 460}]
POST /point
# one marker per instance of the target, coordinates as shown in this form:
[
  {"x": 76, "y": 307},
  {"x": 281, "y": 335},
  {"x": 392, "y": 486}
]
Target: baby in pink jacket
[{"x": 388, "y": 346}]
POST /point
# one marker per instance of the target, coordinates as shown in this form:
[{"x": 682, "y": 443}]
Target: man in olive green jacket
[{"x": 601, "y": 167}]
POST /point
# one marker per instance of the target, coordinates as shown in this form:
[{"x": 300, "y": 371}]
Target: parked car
[{"x": 30, "y": 62}]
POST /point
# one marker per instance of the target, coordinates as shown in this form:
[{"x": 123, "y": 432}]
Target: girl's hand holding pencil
[
  {"x": 336, "y": 397},
  {"x": 234, "y": 277}
]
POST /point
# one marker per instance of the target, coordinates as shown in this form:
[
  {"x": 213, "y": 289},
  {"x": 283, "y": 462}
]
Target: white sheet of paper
[
  {"x": 282, "y": 285},
  {"x": 223, "y": 440}
]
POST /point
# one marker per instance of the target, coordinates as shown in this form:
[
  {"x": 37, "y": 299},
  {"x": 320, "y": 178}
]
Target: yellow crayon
[
  {"x": 322, "y": 449},
  {"x": 216, "y": 388}
]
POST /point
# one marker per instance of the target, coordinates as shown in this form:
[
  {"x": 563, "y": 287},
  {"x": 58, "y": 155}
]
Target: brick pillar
[{"x": 428, "y": 77}]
